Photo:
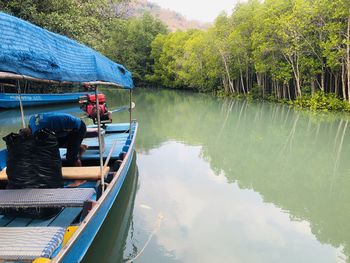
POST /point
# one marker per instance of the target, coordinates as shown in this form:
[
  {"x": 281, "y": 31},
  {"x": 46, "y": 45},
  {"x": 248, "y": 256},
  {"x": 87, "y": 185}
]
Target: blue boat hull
[
  {"x": 77, "y": 248},
  {"x": 11, "y": 100},
  {"x": 77, "y": 252}
]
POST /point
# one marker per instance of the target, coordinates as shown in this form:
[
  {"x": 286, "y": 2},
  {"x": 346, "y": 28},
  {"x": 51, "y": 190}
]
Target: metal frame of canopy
[{"x": 18, "y": 77}]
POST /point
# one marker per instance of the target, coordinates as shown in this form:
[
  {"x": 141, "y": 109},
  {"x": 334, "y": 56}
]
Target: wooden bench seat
[{"x": 73, "y": 173}]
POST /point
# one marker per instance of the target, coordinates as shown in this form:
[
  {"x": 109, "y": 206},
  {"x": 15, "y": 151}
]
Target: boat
[
  {"x": 11, "y": 100},
  {"x": 67, "y": 235}
]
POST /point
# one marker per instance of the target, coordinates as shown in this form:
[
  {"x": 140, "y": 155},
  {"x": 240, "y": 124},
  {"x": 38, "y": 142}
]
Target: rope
[{"x": 157, "y": 226}]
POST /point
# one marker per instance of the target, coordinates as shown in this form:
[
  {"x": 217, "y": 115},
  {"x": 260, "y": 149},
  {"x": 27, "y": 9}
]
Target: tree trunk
[
  {"x": 343, "y": 80},
  {"x": 258, "y": 79},
  {"x": 288, "y": 90},
  {"x": 227, "y": 72},
  {"x": 297, "y": 76},
  {"x": 241, "y": 76},
  {"x": 348, "y": 54},
  {"x": 279, "y": 90},
  {"x": 238, "y": 85},
  {"x": 336, "y": 84},
  {"x": 322, "y": 80},
  {"x": 295, "y": 90},
  {"x": 264, "y": 85},
  {"x": 293, "y": 60},
  {"x": 312, "y": 88},
  {"x": 225, "y": 84},
  {"x": 242, "y": 82},
  {"x": 247, "y": 78}
]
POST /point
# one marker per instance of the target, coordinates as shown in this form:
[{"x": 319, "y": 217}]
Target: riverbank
[{"x": 319, "y": 101}]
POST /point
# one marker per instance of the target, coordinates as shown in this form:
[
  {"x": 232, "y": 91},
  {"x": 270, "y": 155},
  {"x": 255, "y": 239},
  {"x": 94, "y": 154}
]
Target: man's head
[{"x": 25, "y": 132}]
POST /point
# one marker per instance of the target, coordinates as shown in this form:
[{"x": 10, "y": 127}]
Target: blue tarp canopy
[{"x": 28, "y": 50}]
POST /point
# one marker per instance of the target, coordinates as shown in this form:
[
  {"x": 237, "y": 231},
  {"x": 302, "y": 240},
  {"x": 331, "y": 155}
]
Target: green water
[{"x": 219, "y": 180}]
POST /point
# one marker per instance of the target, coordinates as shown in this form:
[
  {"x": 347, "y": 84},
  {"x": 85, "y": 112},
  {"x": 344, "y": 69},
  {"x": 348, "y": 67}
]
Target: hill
[{"x": 174, "y": 20}]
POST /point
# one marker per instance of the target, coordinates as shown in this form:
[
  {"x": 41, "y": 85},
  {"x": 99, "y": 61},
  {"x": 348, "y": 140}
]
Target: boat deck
[
  {"x": 66, "y": 217},
  {"x": 118, "y": 133}
]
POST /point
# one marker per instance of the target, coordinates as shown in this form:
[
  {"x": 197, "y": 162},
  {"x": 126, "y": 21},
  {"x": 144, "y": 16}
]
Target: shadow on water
[{"x": 111, "y": 239}]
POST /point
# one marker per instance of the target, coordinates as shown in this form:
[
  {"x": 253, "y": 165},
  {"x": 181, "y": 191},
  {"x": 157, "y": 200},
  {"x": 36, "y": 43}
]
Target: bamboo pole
[
  {"x": 20, "y": 104},
  {"x": 7, "y": 75},
  {"x": 109, "y": 155},
  {"x": 99, "y": 140},
  {"x": 130, "y": 108}
]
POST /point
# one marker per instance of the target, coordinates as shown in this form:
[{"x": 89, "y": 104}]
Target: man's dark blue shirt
[{"x": 60, "y": 123}]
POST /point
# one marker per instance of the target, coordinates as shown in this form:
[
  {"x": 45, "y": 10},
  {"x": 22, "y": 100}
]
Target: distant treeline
[
  {"x": 276, "y": 48},
  {"x": 273, "y": 49}
]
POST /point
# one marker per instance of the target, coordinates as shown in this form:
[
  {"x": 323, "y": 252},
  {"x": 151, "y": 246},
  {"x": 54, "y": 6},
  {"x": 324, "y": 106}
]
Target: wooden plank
[
  {"x": 5, "y": 220},
  {"x": 83, "y": 173},
  {"x": 20, "y": 222},
  {"x": 66, "y": 217},
  {"x": 73, "y": 173},
  {"x": 3, "y": 175}
]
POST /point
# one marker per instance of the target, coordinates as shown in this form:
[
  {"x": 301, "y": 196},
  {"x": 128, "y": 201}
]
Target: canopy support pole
[
  {"x": 20, "y": 103},
  {"x": 130, "y": 108},
  {"x": 99, "y": 139}
]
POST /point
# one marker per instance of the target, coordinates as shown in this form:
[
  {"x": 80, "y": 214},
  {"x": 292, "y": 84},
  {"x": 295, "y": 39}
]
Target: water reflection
[
  {"x": 208, "y": 220},
  {"x": 292, "y": 163}
]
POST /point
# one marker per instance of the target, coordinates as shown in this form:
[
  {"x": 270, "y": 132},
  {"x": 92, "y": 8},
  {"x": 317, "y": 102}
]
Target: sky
[{"x": 205, "y": 11}]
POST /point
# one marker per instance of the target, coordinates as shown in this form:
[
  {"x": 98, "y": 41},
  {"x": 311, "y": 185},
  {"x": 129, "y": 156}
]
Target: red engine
[
  {"x": 89, "y": 105},
  {"x": 92, "y": 98}
]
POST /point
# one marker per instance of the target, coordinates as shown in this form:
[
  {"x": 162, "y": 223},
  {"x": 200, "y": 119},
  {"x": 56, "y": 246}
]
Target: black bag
[
  {"x": 33, "y": 161},
  {"x": 48, "y": 165},
  {"x": 20, "y": 167}
]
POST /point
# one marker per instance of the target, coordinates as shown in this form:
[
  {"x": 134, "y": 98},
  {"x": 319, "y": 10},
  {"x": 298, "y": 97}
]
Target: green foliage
[
  {"x": 275, "y": 49},
  {"x": 81, "y": 20},
  {"x": 130, "y": 44},
  {"x": 169, "y": 58},
  {"x": 256, "y": 92},
  {"x": 321, "y": 101}
]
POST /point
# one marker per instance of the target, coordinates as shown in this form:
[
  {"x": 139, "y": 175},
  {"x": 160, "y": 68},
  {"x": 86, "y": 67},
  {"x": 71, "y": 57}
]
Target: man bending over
[{"x": 69, "y": 130}]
